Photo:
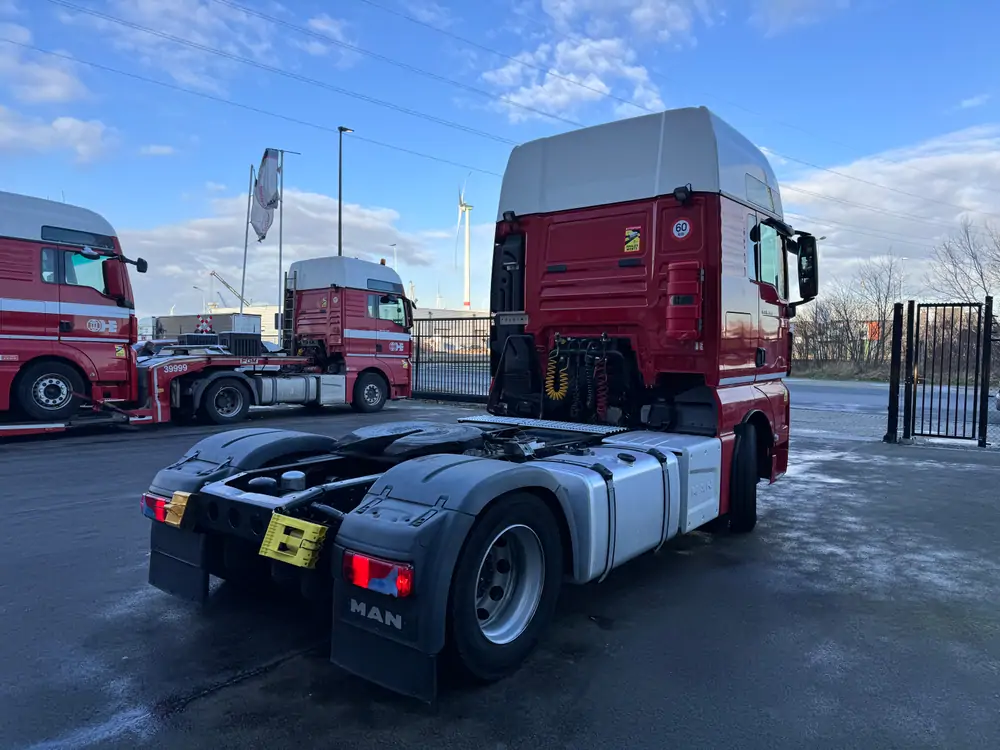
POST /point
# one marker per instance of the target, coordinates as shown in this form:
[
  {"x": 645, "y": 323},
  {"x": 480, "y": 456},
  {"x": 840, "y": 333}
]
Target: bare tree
[
  {"x": 966, "y": 266},
  {"x": 880, "y": 282}
]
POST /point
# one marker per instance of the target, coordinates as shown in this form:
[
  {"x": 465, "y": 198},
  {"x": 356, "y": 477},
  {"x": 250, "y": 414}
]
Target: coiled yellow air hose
[{"x": 553, "y": 374}]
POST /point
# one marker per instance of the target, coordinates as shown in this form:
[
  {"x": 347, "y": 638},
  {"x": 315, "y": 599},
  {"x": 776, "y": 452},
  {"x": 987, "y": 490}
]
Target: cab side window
[
  {"x": 373, "y": 306},
  {"x": 772, "y": 262},
  {"x": 82, "y": 271},
  {"x": 393, "y": 311},
  {"x": 50, "y": 260},
  {"x": 64, "y": 267}
]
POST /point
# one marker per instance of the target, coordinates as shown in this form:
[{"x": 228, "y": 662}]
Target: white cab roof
[
  {"x": 635, "y": 159},
  {"x": 354, "y": 273},
  {"x": 23, "y": 216}
]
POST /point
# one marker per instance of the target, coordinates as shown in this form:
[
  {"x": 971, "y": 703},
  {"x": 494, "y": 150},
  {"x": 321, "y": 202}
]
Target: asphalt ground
[{"x": 862, "y": 613}]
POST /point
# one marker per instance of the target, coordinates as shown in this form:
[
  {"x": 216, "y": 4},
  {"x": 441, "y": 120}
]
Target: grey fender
[
  {"x": 227, "y": 453},
  {"x": 422, "y": 510},
  {"x": 198, "y": 389}
]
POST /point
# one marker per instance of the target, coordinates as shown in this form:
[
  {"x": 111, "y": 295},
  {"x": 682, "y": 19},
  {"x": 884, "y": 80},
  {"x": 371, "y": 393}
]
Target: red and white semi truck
[
  {"x": 68, "y": 326},
  {"x": 641, "y": 301}
]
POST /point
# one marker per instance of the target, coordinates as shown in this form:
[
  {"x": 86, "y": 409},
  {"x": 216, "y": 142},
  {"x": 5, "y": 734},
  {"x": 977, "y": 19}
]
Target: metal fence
[{"x": 451, "y": 359}]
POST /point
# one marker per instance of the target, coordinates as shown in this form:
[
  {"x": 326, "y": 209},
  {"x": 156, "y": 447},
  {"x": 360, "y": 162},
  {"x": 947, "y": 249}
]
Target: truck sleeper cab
[{"x": 613, "y": 426}]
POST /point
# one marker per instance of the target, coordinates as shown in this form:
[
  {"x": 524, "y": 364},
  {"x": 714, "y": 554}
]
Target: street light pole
[
  {"x": 340, "y": 189},
  {"x": 395, "y": 260}
]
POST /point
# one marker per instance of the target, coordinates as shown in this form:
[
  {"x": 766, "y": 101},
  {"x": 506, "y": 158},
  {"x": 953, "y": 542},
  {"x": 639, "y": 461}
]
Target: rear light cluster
[
  {"x": 154, "y": 507},
  {"x": 381, "y": 576}
]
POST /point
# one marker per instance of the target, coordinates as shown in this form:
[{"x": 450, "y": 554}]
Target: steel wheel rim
[
  {"x": 509, "y": 585},
  {"x": 51, "y": 392},
  {"x": 228, "y": 401},
  {"x": 372, "y": 394}
]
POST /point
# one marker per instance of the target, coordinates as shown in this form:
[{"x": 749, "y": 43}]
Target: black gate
[
  {"x": 946, "y": 375},
  {"x": 451, "y": 359}
]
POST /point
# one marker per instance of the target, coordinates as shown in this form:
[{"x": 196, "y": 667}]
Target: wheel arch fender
[
  {"x": 225, "y": 454},
  {"x": 451, "y": 492},
  {"x": 202, "y": 382}
]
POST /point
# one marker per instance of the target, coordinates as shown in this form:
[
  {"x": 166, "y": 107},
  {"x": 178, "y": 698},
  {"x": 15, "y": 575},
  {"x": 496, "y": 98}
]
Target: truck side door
[
  {"x": 393, "y": 337},
  {"x": 772, "y": 282},
  {"x": 89, "y": 319}
]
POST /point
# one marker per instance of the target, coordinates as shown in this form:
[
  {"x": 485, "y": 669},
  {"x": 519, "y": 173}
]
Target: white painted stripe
[
  {"x": 38, "y": 426},
  {"x": 357, "y": 333},
  {"x": 8, "y": 304},
  {"x": 93, "y": 340},
  {"x": 28, "y": 338},
  {"x": 772, "y": 376},
  {"x": 380, "y": 355}
]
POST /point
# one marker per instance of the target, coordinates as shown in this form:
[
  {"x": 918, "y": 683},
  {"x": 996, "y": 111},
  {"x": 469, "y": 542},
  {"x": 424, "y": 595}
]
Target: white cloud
[
  {"x": 32, "y": 77},
  {"x": 198, "y": 21},
  {"x": 335, "y": 29},
  {"x": 157, "y": 150},
  {"x": 947, "y": 178},
  {"x": 214, "y": 187},
  {"x": 579, "y": 72},
  {"x": 672, "y": 20},
  {"x": 9, "y": 7},
  {"x": 430, "y": 12},
  {"x": 87, "y": 139},
  {"x": 181, "y": 255},
  {"x": 974, "y": 101},
  {"x": 776, "y": 16}
]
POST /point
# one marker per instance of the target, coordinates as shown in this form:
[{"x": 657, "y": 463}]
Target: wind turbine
[{"x": 466, "y": 209}]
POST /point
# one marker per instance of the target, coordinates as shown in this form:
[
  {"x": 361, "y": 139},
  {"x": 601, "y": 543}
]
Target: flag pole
[
  {"x": 281, "y": 223},
  {"x": 281, "y": 226},
  {"x": 246, "y": 243}
]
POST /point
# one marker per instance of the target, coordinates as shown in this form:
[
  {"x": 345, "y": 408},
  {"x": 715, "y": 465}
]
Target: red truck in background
[{"x": 68, "y": 326}]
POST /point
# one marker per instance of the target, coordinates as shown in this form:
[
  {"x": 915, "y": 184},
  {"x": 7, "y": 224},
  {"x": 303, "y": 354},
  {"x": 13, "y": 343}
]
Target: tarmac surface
[{"x": 861, "y": 613}]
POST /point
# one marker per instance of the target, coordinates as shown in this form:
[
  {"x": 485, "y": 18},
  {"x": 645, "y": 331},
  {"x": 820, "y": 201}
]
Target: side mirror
[
  {"x": 141, "y": 265},
  {"x": 386, "y": 299},
  {"x": 808, "y": 268}
]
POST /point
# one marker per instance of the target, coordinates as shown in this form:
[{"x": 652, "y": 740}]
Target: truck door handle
[
  {"x": 65, "y": 326},
  {"x": 378, "y": 347},
  {"x": 761, "y": 357}
]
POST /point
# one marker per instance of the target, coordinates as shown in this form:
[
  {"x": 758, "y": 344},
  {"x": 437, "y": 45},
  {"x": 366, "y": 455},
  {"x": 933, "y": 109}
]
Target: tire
[
  {"x": 225, "y": 401},
  {"x": 488, "y": 649},
  {"x": 743, "y": 483},
  {"x": 370, "y": 393},
  {"x": 45, "y": 391}
]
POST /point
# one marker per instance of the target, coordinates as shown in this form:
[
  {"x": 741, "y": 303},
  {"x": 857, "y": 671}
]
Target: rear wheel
[
  {"x": 45, "y": 390},
  {"x": 225, "y": 401},
  {"x": 371, "y": 391},
  {"x": 505, "y": 587},
  {"x": 743, "y": 484}
]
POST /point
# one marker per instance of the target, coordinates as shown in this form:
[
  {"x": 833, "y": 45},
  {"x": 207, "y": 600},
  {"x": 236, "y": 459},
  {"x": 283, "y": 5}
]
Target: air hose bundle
[{"x": 556, "y": 375}]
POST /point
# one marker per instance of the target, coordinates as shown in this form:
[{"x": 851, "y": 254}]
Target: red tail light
[
  {"x": 154, "y": 507},
  {"x": 381, "y": 576}
]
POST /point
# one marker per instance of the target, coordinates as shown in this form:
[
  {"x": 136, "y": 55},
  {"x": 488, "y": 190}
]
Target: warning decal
[
  {"x": 119, "y": 351},
  {"x": 632, "y": 236}
]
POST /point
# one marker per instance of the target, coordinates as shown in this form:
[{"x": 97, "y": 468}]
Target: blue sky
[{"x": 833, "y": 83}]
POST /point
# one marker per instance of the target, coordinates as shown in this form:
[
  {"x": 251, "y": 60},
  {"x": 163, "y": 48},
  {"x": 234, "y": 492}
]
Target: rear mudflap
[
  {"x": 179, "y": 562},
  {"x": 359, "y": 648}
]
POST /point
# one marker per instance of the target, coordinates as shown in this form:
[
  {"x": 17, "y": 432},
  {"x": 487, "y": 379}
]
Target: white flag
[
  {"x": 266, "y": 189},
  {"x": 260, "y": 219}
]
